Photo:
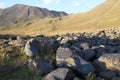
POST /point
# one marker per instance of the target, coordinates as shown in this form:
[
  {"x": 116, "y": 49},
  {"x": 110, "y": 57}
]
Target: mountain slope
[
  {"x": 106, "y": 15},
  {"x": 20, "y": 13}
]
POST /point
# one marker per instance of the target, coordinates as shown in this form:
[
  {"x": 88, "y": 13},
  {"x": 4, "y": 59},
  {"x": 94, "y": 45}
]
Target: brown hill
[
  {"x": 106, "y": 15},
  {"x": 20, "y": 13}
]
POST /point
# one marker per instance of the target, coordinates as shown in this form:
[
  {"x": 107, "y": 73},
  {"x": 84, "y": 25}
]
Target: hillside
[
  {"x": 106, "y": 15},
  {"x": 23, "y": 13}
]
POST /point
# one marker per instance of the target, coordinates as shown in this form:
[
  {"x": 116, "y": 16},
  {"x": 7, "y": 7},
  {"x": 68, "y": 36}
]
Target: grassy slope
[{"x": 106, "y": 15}]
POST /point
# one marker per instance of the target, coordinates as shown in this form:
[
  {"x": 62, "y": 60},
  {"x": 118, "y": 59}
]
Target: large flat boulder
[
  {"x": 108, "y": 62},
  {"x": 62, "y": 54},
  {"x": 80, "y": 65},
  {"x": 59, "y": 74},
  {"x": 40, "y": 66}
]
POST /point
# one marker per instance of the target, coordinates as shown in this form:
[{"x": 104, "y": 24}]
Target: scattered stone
[
  {"x": 108, "y": 75},
  {"x": 32, "y": 48},
  {"x": 100, "y": 52},
  {"x": 108, "y": 62},
  {"x": 80, "y": 65},
  {"x": 40, "y": 66},
  {"x": 99, "y": 78},
  {"x": 59, "y": 74},
  {"x": 64, "y": 40},
  {"x": 88, "y": 54},
  {"x": 62, "y": 54},
  {"x": 82, "y": 53},
  {"x": 76, "y": 78},
  {"x": 84, "y": 46}
]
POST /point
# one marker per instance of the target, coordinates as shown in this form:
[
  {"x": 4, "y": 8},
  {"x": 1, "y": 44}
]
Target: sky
[{"x": 69, "y": 6}]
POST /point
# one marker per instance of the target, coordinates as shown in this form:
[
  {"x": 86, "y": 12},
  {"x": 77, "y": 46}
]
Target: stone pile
[{"x": 77, "y": 55}]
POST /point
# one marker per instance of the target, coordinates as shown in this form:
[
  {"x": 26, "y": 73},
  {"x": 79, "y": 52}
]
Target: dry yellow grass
[{"x": 104, "y": 16}]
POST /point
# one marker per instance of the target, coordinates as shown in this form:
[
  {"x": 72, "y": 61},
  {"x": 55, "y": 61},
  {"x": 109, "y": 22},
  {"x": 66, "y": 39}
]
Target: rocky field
[{"x": 76, "y": 56}]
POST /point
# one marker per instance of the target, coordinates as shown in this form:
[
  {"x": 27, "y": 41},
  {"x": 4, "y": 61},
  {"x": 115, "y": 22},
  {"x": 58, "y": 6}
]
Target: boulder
[
  {"x": 65, "y": 57},
  {"x": 63, "y": 53},
  {"x": 59, "y": 74},
  {"x": 65, "y": 40},
  {"x": 19, "y": 42},
  {"x": 108, "y": 62},
  {"x": 51, "y": 46},
  {"x": 79, "y": 65},
  {"x": 32, "y": 48},
  {"x": 100, "y": 52},
  {"x": 88, "y": 54},
  {"x": 84, "y": 46},
  {"x": 76, "y": 78},
  {"x": 40, "y": 66},
  {"x": 108, "y": 74},
  {"x": 99, "y": 78},
  {"x": 54, "y": 45}
]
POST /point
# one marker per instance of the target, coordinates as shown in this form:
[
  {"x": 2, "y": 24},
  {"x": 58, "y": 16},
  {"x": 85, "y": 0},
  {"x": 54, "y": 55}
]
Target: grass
[
  {"x": 92, "y": 77},
  {"x": 10, "y": 58},
  {"x": 26, "y": 74},
  {"x": 14, "y": 55},
  {"x": 23, "y": 73}
]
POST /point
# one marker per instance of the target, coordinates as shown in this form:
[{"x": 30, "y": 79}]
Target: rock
[
  {"x": 76, "y": 78},
  {"x": 113, "y": 50},
  {"x": 32, "y": 48},
  {"x": 99, "y": 78},
  {"x": 40, "y": 66},
  {"x": 108, "y": 62},
  {"x": 6, "y": 70},
  {"x": 5, "y": 43},
  {"x": 19, "y": 42},
  {"x": 66, "y": 45},
  {"x": 59, "y": 74},
  {"x": 54, "y": 45},
  {"x": 65, "y": 57},
  {"x": 112, "y": 42},
  {"x": 51, "y": 46},
  {"x": 84, "y": 46},
  {"x": 62, "y": 53},
  {"x": 108, "y": 74},
  {"x": 16, "y": 79},
  {"x": 79, "y": 65},
  {"x": 64, "y": 40},
  {"x": 47, "y": 46},
  {"x": 103, "y": 41},
  {"x": 88, "y": 54},
  {"x": 118, "y": 49},
  {"x": 100, "y": 52},
  {"x": 95, "y": 48},
  {"x": 59, "y": 38},
  {"x": 76, "y": 50}
]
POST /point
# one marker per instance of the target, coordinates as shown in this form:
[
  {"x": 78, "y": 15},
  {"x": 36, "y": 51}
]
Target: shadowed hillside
[{"x": 20, "y": 13}]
